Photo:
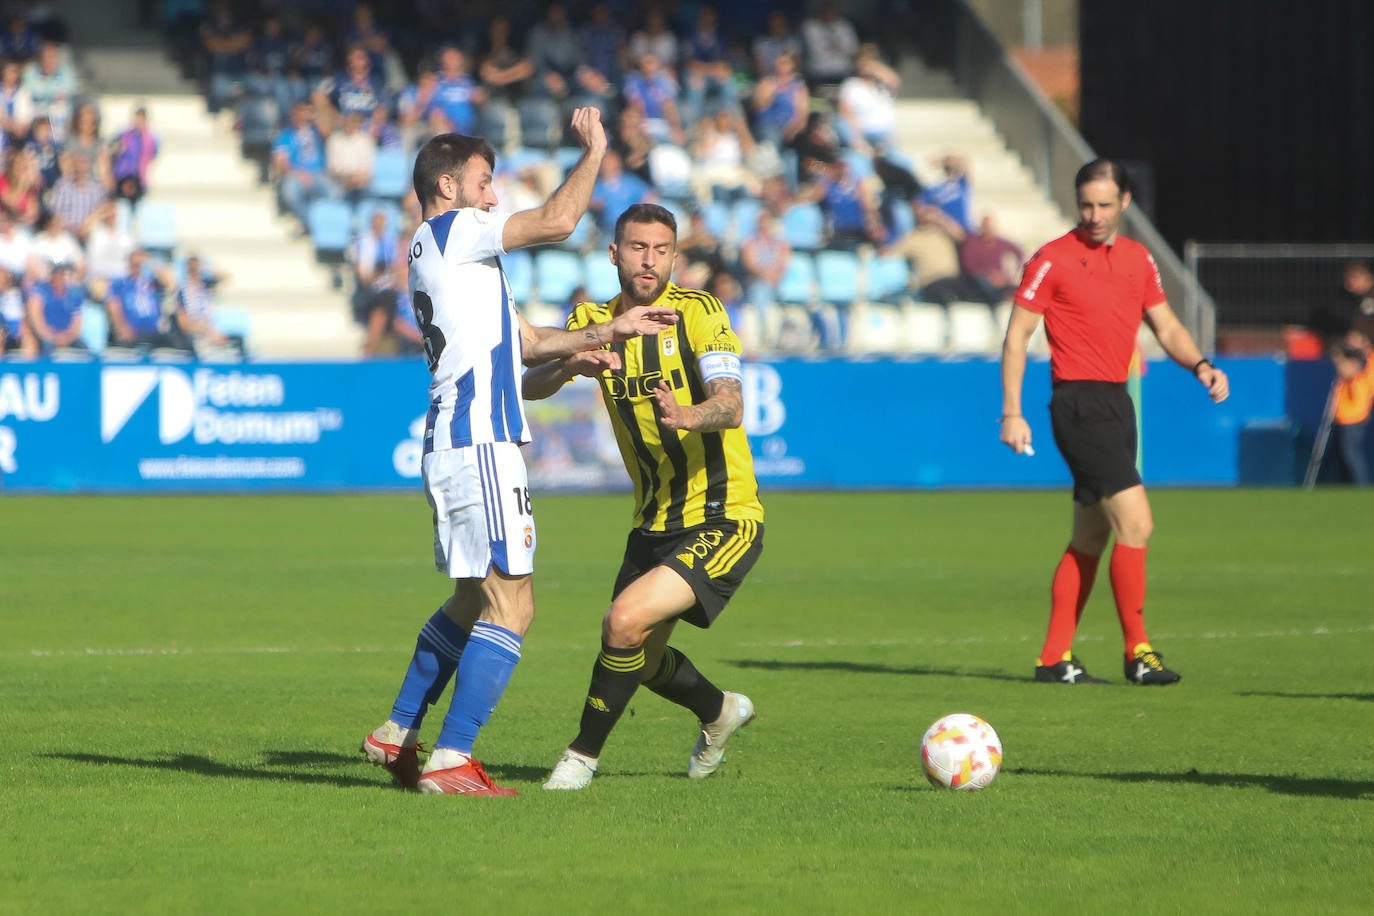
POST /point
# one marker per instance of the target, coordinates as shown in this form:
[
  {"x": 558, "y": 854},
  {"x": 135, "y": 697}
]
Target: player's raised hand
[
  {"x": 641, "y": 320},
  {"x": 670, "y": 413},
  {"x": 587, "y": 127},
  {"x": 592, "y": 363}
]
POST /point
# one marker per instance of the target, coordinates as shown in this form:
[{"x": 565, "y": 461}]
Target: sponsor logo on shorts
[{"x": 701, "y": 548}]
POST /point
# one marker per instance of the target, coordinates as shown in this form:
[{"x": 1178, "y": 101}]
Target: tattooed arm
[{"x": 722, "y": 409}]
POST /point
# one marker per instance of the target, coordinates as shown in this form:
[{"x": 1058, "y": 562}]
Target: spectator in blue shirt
[
  {"x": 457, "y": 94},
  {"x": 15, "y": 333},
  {"x": 134, "y": 303},
  {"x": 357, "y": 89},
  {"x": 616, "y": 189},
  {"x": 298, "y": 160},
  {"x": 226, "y": 43},
  {"x": 653, "y": 91},
  {"x": 952, "y": 193},
  {"x": 708, "y": 75},
  {"x": 55, "y": 310}
]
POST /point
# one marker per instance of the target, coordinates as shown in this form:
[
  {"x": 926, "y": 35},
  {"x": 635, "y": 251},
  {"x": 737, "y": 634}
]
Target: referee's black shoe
[
  {"x": 1069, "y": 671},
  {"x": 1147, "y": 668}
]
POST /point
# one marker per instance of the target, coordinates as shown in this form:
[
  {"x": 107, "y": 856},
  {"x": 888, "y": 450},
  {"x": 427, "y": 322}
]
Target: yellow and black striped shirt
[{"x": 681, "y": 478}]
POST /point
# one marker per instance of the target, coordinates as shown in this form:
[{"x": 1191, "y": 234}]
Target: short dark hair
[
  {"x": 447, "y": 154},
  {"x": 644, "y": 213},
  {"x": 1103, "y": 168}
]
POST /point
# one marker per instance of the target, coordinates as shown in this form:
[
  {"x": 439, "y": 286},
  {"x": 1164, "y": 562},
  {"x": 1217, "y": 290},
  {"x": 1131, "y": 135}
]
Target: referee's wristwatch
[{"x": 1203, "y": 362}]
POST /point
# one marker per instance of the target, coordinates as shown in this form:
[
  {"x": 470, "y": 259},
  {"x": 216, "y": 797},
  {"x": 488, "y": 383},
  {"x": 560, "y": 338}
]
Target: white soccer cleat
[
  {"x": 572, "y": 772},
  {"x": 709, "y": 751}
]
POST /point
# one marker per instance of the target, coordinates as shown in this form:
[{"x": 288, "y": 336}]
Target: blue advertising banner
[{"x": 148, "y": 427}]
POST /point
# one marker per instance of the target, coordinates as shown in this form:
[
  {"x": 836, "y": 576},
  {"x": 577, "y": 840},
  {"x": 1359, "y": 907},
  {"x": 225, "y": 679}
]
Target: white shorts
[{"x": 482, "y": 515}]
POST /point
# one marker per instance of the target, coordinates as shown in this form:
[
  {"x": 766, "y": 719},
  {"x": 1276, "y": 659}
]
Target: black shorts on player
[
  {"x": 1095, "y": 430},
  {"x": 713, "y": 558}
]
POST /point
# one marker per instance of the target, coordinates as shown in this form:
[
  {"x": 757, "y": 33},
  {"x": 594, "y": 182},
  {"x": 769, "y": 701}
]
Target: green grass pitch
[{"x": 184, "y": 683}]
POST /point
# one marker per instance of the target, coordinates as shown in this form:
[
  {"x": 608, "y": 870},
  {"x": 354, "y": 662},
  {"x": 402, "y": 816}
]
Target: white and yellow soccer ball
[{"x": 961, "y": 751}]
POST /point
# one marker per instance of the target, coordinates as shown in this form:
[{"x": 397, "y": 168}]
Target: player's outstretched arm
[
  {"x": 540, "y": 345},
  {"x": 722, "y": 409},
  {"x": 1015, "y": 431},
  {"x": 1181, "y": 348},
  {"x": 544, "y": 381},
  {"x": 557, "y": 218}
]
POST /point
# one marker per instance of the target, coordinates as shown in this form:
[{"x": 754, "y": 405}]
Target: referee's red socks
[
  {"x": 1073, "y": 582},
  {"x": 1128, "y": 587}
]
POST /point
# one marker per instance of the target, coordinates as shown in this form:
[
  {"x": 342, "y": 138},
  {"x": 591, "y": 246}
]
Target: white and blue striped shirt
[{"x": 464, "y": 308}]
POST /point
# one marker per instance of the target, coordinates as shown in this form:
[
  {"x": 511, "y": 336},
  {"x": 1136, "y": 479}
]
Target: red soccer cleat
[
  {"x": 468, "y": 779},
  {"x": 403, "y": 763}
]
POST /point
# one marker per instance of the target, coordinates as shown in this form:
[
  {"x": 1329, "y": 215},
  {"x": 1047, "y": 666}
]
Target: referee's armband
[{"x": 720, "y": 365}]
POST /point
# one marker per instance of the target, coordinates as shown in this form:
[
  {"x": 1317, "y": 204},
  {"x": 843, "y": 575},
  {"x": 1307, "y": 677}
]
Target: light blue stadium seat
[
  {"x": 744, "y": 216},
  {"x": 391, "y": 174},
  {"x": 156, "y": 227},
  {"x": 95, "y": 328},
  {"x": 583, "y": 234},
  {"x": 521, "y": 158},
  {"x": 837, "y": 276},
  {"x": 519, "y": 268},
  {"x": 860, "y": 164},
  {"x": 556, "y": 274},
  {"x": 330, "y": 223},
  {"x": 717, "y": 215},
  {"x": 362, "y": 215},
  {"x": 600, "y": 276},
  {"x": 888, "y": 278},
  {"x": 233, "y": 322},
  {"x": 798, "y": 283},
  {"x": 803, "y": 225}
]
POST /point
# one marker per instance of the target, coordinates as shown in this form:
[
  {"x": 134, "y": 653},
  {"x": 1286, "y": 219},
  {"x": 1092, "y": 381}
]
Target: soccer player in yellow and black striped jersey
[{"x": 675, "y": 402}]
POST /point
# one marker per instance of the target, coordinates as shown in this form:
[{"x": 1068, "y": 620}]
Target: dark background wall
[{"x": 1254, "y": 119}]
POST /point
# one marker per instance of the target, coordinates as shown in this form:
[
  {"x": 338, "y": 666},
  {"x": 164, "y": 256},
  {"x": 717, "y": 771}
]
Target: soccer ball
[{"x": 961, "y": 751}]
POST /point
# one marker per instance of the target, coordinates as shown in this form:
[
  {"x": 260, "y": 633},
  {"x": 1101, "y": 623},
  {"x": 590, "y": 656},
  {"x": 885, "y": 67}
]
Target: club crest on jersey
[{"x": 669, "y": 345}]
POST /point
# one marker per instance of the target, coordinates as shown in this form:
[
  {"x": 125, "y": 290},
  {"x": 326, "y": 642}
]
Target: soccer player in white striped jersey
[{"x": 474, "y": 476}]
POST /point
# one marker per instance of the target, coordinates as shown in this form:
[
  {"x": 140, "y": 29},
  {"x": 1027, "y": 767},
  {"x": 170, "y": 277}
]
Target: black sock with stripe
[
  {"x": 679, "y": 681},
  {"x": 615, "y": 677}
]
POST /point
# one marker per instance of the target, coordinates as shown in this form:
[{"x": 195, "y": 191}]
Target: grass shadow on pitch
[
  {"x": 1367, "y": 697},
  {"x": 281, "y": 767},
  {"x": 870, "y": 668},
  {"x": 1281, "y": 785}
]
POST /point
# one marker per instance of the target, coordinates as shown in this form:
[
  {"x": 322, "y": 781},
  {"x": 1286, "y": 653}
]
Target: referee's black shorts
[
  {"x": 1095, "y": 430},
  {"x": 713, "y": 558}
]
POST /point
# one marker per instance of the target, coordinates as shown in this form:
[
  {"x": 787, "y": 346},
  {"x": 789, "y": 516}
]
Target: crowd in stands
[{"x": 73, "y": 276}]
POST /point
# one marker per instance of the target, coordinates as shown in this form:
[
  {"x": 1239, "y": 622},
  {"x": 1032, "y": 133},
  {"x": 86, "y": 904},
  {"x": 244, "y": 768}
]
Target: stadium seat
[
  {"x": 362, "y": 215},
  {"x": 156, "y": 224},
  {"x": 258, "y": 129},
  {"x": 556, "y": 274},
  {"x": 972, "y": 328},
  {"x": 519, "y": 268},
  {"x": 925, "y": 327},
  {"x": 565, "y": 157},
  {"x": 233, "y": 322},
  {"x": 875, "y": 328},
  {"x": 887, "y": 279},
  {"x": 600, "y": 276},
  {"x": 95, "y": 328},
  {"x": 584, "y": 235},
  {"x": 803, "y": 225},
  {"x": 391, "y": 175},
  {"x": 744, "y": 216},
  {"x": 717, "y": 214},
  {"x": 837, "y": 277},
  {"x": 540, "y": 127},
  {"x": 799, "y": 280},
  {"x": 522, "y": 157},
  {"x": 330, "y": 223}
]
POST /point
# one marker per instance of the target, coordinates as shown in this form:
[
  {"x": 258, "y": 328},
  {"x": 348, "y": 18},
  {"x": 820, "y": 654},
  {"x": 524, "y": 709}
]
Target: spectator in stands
[
  {"x": 312, "y": 58},
  {"x": 54, "y": 244},
  {"x": 616, "y": 189},
  {"x": 698, "y": 245},
  {"x": 781, "y": 102},
  {"x": 391, "y": 327},
  {"x": 721, "y": 155},
  {"x": 1358, "y": 282},
  {"x": 16, "y": 244},
  {"x": 44, "y": 144},
  {"x": 414, "y": 104},
  {"x": 708, "y": 74},
  {"x": 655, "y": 38},
  {"x": 195, "y": 310},
  {"x": 20, "y": 41},
  {"x": 15, "y": 334},
  {"x": 273, "y": 74},
  {"x": 779, "y": 39},
  {"x": 990, "y": 263},
  {"x": 505, "y": 71},
  {"x": 633, "y": 142},
  {"x": 108, "y": 247},
  {"x": 456, "y": 93},
  {"x": 77, "y": 194},
  {"x": 559, "y": 59},
  {"x": 932, "y": 251},
  {"x": 363, "y": 32},
  {"x": 373, "y": 258},
  {"x": 349, "y": 156},
  {"x": 866, "y": 106},
  {"x": 298, "y": 162},
  {"x": 851, "y": 208},
  {"x": 652, "y": 89},
  {"x": 225, "y": 41},
  {"x": 84, "y": 138},
  {"x": 1354, "y": 398},
  {"x": 54, "y": 310},
  {"x": 776, "y": 196},
  {"x": 134, "y": 303},
  {"x": 764, "y": 256},
  {"x": 603, "y": 46},
  {"x": 831, "y": 46},
  {"x": 16, "y": 105},
  {"x": 385, "y": 135},
  {"x": 952, "y": 193},
  {"x": 816, "y": 147},
  {"x": 21, "y": 188},
  {"x": 357, "y": 89},
  {"x": 135, "y": 148}
]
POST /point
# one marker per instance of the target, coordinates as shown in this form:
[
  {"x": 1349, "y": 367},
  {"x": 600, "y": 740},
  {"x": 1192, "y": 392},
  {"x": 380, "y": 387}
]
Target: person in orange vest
[{"x": 1354, "y": 398}]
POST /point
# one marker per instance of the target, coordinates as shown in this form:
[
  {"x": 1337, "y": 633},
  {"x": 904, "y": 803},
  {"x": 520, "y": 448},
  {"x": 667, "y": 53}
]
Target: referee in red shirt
[{"x": 1093, "y": 288}]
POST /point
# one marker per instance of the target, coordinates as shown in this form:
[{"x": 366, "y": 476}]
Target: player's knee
[{"x": 623, "y": 627}]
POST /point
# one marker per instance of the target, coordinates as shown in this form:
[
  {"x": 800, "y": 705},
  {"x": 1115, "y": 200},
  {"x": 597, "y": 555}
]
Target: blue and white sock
[
  {"x": 488, "y": 662},
  {"x": 437, "y": 650}
]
